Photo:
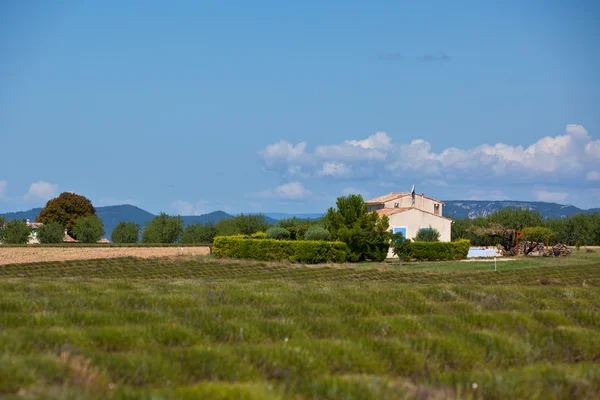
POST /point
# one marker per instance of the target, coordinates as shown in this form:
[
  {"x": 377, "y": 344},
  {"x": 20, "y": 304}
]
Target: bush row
[
  {"x": 435, "y": 251},
  {"x": 308, "y": 251}
]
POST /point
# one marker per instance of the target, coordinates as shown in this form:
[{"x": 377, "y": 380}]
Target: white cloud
[
  {"x": 185, "y": 208},
  {"x": 292, "y": 190},
  {"x": 593, "y": 176},
  {"x": 568, "y": 155},
  {"x": 284, "y": 151},
  {"x": 334, "y": 169},
  {"x": 552, "y": 197},
  {"x": 3, "y": 186},
  {"x": 593, "y": 149},
  {"x": 379, "y": 140},
  {"x": 41, "y": 190}
]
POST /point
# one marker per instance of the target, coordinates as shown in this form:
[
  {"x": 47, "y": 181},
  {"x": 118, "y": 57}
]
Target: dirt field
[{"x": 12, "y": 255}]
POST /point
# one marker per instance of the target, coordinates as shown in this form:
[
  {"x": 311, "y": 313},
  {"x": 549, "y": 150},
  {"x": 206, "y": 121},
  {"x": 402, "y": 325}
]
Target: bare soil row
[{"x": 15, "y": 255}]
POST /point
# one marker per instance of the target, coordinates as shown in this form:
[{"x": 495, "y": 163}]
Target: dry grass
[{"x": 18, "y": 255}]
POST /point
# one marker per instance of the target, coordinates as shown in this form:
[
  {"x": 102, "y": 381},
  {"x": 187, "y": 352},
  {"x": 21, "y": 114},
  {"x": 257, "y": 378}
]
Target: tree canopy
[
  {"x": 125, "y": 232},
  {"x": 88, "y": 229},
  {"x": 366, "y": 234},
  {"x": 163, "y": 229},
  {"x": 66, "y": 209}
]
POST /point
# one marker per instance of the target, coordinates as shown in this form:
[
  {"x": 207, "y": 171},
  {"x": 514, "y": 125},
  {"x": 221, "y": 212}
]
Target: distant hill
[
  {"x": 460, "y": 209},
  {"x": 280, "y": 216},
  {"x": 112, "y": 215}
]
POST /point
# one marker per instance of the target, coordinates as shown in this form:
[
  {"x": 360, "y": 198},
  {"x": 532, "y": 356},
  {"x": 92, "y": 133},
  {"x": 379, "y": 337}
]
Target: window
[{"x": 436, "y": 209}]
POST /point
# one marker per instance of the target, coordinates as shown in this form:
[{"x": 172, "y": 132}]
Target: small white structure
[{"x": 409, "y": 212}]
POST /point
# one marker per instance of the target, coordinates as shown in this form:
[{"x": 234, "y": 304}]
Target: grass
[{"x": 205, "y": 328}]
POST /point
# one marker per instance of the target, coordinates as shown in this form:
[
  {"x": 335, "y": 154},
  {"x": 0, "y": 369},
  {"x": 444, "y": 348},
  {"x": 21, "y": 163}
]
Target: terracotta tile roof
[
  {"x": 392, "y": 211},
  {"x": 387, "y": 197},
  {"x": 68, "y": 239},
  {"x": 396, "y": 195}
]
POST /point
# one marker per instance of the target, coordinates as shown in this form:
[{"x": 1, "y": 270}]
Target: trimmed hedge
[
  {"x": 305, "y": 251},
  {"x": 435, "y": 251}
]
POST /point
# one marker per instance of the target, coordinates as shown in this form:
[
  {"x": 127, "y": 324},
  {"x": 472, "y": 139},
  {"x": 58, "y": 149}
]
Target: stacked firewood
[
  {"x": 560, "y": 250},
  {"x": 536, "y": 249}
]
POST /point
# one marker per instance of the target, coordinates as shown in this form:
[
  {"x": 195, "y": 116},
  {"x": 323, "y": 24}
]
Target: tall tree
[
  {"x": 66, "y": 209},
  {"x": 365, "y": 233},
  {"x": 88, "y": 229},
  {"x": 163, "y": 229}
]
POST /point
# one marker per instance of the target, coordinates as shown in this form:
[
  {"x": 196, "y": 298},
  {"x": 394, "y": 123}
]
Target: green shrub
[
  {"x": 259, "y": 235},
  {"x": 125, "y": 232},
  {"x": 15, "y": 232},
  {"x": 435, "y": 251},
  {"x": 427, "y": 235},
  {"x": 278, "y": 233},
  {"x": 317, "y": 232},
  {"x": 297, "y": 232},
  {"x": 52, "y": 232},
  {"x": 198, "y": 233},
  {"x": 309, "y": 252},
  {"x": 163, "y": 229},
  {"x": 88, "y": 229}
]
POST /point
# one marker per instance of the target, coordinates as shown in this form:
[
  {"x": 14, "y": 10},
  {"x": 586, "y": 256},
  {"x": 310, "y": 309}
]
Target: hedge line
[
  {"x": 305, "y": 251},
  {"x": 435, "y": 251}
]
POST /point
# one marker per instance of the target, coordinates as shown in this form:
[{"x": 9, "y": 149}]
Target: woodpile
[{"x": 560, "y": 250}]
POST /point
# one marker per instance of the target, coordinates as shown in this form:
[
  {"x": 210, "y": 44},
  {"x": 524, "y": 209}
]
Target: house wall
[
  {"x": 420, "y": 202},
  {"x": 415, "y": 219}
]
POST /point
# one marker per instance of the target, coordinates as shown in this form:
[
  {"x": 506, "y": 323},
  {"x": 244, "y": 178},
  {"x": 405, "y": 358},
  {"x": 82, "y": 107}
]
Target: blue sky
[{"x": 192, "y": 107}]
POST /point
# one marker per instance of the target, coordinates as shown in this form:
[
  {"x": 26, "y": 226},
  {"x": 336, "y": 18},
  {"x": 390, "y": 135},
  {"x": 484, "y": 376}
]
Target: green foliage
[
  {"x": 365, "y": 233},
  {"x": 88, "y": 229},
  {"x": 400, "y": 245},
  {"x": 582, "y": 228},
  {"x": 15, "y": 232},
  {"x": 309, "y": 252},
  {"x": 537, "y": 234},
  {"x": 244, "y": 224},
  {"x": 427, "y": 235},
  {"x": 435, "y": 251},
  {"x": 278, "y": 233},
  {"x": 297, "y": 232},
  {"x": 516, "y": 218},
  {"x": 163, "y": 229},
  {"x": 52, "y": 232},
  {"x": 205, "y": 328},
  {"x": 125, "y": 232},
  {"x": 317, "y": 232},
  {"x": 259, "y": 235},
  {"x": 66, "y": 209},
  {"x": 199, "y": 233}
]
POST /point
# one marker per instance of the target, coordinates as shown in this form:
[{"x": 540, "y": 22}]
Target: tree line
[{"x": 578, "y": 229}]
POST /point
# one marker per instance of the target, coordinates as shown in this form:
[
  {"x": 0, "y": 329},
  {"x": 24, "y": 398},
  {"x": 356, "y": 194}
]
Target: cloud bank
[{"x": 573, "y": 154}]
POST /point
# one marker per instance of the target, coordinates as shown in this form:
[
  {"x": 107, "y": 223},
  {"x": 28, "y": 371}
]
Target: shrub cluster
[
  {"x": 278, "y": 232},
  {"x": 52, "y": 232},
  {"x": 435, "y": 251},
  {"x": 305, "y": 251}
]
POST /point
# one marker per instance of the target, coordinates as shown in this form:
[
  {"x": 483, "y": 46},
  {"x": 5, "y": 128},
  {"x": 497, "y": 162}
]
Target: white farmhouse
[{"x": 409, "y": 212}]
